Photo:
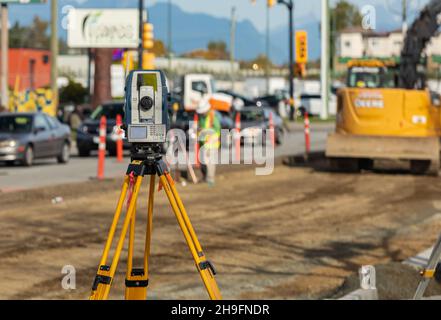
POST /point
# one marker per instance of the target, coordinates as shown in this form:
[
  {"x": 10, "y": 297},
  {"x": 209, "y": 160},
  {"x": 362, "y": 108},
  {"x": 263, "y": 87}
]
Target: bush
[{"x": 74, "y": 92}]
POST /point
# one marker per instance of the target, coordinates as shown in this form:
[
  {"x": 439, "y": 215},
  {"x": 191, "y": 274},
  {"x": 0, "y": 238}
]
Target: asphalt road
[{"x": 48, "y": 172}]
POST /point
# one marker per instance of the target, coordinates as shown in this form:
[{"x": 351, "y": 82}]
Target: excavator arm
[{"x": 417, "y": 38}]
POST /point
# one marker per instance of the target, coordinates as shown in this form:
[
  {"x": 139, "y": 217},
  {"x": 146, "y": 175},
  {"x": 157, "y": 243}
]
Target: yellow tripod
[{"x": 150, "y": 164}]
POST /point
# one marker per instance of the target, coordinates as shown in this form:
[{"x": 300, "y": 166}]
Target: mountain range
[{"x": 194, "y": 30}]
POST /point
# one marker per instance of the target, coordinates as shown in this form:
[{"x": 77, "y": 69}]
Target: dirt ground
[{"x": 296, "y": 234}]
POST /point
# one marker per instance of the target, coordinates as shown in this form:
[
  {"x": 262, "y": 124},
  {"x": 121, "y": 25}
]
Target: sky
[{"x": 304, "y": 9}]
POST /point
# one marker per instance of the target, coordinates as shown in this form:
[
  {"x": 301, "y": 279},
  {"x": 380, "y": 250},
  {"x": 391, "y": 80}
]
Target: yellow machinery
[
  {"x": 376, "y": 120},
  {"x": 386, "y": 111}
]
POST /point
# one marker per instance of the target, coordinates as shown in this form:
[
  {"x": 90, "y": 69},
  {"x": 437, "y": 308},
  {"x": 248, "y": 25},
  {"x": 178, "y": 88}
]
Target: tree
[
  {"x": 345, "y": 15},
  {"x": 159, "y": 49},
  {"x": 261, "y": 62},
  {"x": 74, "y": 92},
  {"x": 35, "y": 36},
  {"x": 218, "y": 49}
]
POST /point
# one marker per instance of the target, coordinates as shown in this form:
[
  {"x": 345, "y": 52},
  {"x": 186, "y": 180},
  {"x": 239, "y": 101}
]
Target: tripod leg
[
  {"x": 137, "y": 279},
  {"x": 205, "y": 268},
  {"x": 148, "y": 237},
  {"x": 102, "y": 273},
  {"x": 429, "y": 272},
  {"x": 102, "y": 284}
]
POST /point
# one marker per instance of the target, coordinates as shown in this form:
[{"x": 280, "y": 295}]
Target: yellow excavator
[{"x": 386, "y": 111}]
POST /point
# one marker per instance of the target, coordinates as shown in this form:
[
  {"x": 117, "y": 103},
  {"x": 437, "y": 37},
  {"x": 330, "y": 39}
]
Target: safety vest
[{"x": 210, "y": 121}]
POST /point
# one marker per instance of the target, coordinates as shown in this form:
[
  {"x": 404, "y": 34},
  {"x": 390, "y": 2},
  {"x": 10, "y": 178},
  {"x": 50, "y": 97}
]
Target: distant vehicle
[
  {"x": 279, "y": 102},
  {"x": 25, "y": 137},
  {"x": 254, "y": 119},
  {"x": 181, "y": 120},
  {"x": 312, "y": 103},
  {"x": 194, "y": 89},
  {"x": 88, "y": 132},
  {"x": 247, "y": 102}
]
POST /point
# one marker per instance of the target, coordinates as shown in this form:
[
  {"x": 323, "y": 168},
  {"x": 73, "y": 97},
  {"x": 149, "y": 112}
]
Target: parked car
[
  {"x": 312, "y": 103},
  {"x": 247, "y": 102},
  {"x": 25, "y": 137},
  {"x": 88, "y": 132},
  {"x": 279, "y": 102},
  {"x": 254, "y": 119},
  {"x": 181, "y": 120}
]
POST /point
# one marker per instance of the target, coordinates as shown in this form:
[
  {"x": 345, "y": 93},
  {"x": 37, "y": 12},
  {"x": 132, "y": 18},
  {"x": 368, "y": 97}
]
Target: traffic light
[
  {"x": 300, "y": 70},
  {"x": 271, "y": 3},
  {"x": 147, "y": 36},
  {"x": 301, "y": 47}
]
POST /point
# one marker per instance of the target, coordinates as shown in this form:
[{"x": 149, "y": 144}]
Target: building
[
  {"x": 29, "y": 68},
  {"x": 357, "y": 43}
]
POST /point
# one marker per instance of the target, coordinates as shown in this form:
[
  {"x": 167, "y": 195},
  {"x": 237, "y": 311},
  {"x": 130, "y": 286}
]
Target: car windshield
[
  {"x": 252, "y": 115},
  {"x": 15, "y": 124},
  {"x": 110, "y": 111}
]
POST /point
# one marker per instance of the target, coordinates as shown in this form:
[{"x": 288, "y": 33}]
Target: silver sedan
[{"x": 25, "y": 137}]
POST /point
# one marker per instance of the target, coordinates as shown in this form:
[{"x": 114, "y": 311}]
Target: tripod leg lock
[
  {"x": 137, "y": 283},
  {"x": 99, "y": 279},
  {"x": 207, "y": 265},
  {"x": 432, "y": 273}
]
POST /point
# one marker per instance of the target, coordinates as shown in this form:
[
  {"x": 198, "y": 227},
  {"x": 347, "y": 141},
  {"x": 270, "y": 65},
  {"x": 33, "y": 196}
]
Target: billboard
[{"x": 103, "y": 28}]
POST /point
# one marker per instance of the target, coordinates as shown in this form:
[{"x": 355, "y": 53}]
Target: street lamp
[
  {"x": 141, "y": 32},
  {"x": 290, "y": 6}
]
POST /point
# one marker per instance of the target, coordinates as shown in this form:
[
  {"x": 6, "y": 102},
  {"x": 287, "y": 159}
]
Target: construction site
[{"x": 257, "y": 181}]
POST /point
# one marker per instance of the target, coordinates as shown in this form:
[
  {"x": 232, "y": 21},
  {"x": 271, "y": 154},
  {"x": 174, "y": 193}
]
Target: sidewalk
[{"x": 292, "y": 126}]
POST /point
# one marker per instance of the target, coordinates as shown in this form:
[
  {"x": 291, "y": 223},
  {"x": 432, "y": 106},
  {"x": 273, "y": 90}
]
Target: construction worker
[{"x": 209, "y": 139}]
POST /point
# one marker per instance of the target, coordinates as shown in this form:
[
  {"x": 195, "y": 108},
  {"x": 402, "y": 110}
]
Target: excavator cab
[{"x": 371, "y": 74}]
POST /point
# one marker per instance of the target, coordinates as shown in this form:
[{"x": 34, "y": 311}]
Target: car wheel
[
  {"x": 65, "y": 154},
  {"x": 28, "y": 159},
  {"x": 83, "y": 152}
]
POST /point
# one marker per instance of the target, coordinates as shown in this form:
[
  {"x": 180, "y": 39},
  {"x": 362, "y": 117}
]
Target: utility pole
[
  {"x": 267, "y": 67},
  {"x": 141, "y": 29},
  {"x": 404, "y": 16},
  {"x": 54, "y": 51},
  {"x": 325, "y": 60},
  {"x": 290, "y": 5},
  {"x": 233, "y": 47},
  {"x": 170, "y": 42},
  {"x": 4, "y": 56},
  {"x": 291, "y": 62}
]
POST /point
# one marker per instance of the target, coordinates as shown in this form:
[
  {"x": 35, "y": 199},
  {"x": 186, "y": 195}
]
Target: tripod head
[{"x": 148, "y": 152}]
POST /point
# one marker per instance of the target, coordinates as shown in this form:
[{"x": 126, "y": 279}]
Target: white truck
[{"x": 199, "y": 88}]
